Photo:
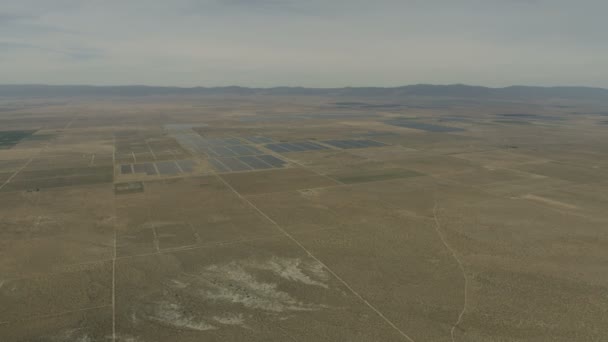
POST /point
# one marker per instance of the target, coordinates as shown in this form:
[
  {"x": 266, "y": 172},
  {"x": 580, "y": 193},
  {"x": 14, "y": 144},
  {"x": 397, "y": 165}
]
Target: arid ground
[{"x": 302, "y": 218}]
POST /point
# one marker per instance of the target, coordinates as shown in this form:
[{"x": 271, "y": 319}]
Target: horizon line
[{"x": 298, "y": 87}]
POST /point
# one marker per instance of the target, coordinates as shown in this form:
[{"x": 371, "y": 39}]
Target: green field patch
[
  {"x": 9, "y": 139},
  {"x": 40, "y": 137},
  {"x": 513, "y": 122},
  {"x": 56, "y": 182},
  {"x": 128, "y": 188},
  {"x": 65, "y": 172}
]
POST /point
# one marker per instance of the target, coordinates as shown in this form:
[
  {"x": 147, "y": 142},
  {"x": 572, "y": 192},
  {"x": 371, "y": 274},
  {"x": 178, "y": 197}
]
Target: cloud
[
  {"x": 7, "y": 18},
  {"x": 311, "y": 43},
  {"x": 71, "y": 53}
]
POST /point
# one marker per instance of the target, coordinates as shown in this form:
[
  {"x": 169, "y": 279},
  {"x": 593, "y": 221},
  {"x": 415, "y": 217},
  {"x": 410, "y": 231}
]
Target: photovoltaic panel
[
  {"x": 213, "y": 141},
  {"x": 293, "y": 147},
  {"x": 272, "y": 160},
  {"x": 361, "y": 143},
  {"x": 147, "y": 168},
  {"x": 232, "y": 141},
  {"x": 259, "y": 140},
  {"x": 244, "y": 150},
  {"x": 222, "y": 151},
  {"x": 222, "y": 141},
  {"x": 252, "y": 149},
  {"x": 218, "y": 166},
  {"x": 167, "y": 168},
  {"x": 254, "y": 162},
  {"x": 296, "y": 146},
  {"x": 312, "y": 146},
  {"x": 336, "y": 143},
  {"x": 139, "y": 168},
  {"x": 301, "y": 145},
  {"x": 277, "y": 148},
  {"x": 186, "y": 165},
  {"x": 353, "y": 144},
  {"x": 422, "y": 126},
  {"x": 126, "y": 169},
  {"x": 234, "y": 164}
]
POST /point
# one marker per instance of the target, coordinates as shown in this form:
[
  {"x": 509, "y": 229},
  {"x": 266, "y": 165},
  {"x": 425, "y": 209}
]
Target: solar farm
[{"x": 144, "y": 219}]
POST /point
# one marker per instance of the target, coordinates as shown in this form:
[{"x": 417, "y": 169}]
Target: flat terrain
[{"x": 302, "y": 218}]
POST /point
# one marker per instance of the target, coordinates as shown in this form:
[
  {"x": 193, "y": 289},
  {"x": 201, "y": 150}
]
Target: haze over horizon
[{"x": 266, "y": 43}]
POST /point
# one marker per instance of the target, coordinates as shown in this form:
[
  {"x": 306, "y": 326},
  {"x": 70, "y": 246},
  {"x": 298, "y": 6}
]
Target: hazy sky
[{"x": 320, "y": 43}]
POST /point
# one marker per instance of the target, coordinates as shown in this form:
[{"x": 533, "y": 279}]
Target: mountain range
[{"x": 453, "y": 90}]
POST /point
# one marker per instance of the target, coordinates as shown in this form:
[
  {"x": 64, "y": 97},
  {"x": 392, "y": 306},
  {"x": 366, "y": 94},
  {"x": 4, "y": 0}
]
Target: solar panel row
[
  {"x": 186, "y": 165},
  {"x": 258, "y": 139},
  {"x": 219, "y": 147},
  {"x": 246, "y": 163},
  {"x": 165, "y": 168},
  {"x": 221, "y": 141},
  {"x": 423, "y": 126},
  {"x": 231, "y": 151},
  {"x": 126, "y": 169},
  {"x": 218, "y": 166},
  {"x": 147, "y": 168},
  {"x": 353, "y": 143},
  {"x": 298, "y": 146}
]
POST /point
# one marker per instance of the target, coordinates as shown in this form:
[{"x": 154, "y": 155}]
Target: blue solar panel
[
  {"x": 150, "y": 169},
  {"x": 254, "y": 162},
  {"x": 232, "y": 141},
  {"x": 234, "y": 165},
  {"x": 218, "y": 166},
  {"x": 276, "y": 148},
  {"x": 272, "y": 160},
  {"x": 373, "y": 143},
  {"x": 252, "y": 150},
  {"x": 337, "y": 143},
  {"x": 351, "y": 144},
  {"x": 167, "y": 168},
  {"x": 294, "y": 147},
  {"x": 126, "y": 169},
  {"x": 259, "y": 140},
  {"x": 354, "y": 143},
  {"x": 222, "y": 151},
  {"x": 313, "y": 146},
  {"x": 186, "y": 165}
]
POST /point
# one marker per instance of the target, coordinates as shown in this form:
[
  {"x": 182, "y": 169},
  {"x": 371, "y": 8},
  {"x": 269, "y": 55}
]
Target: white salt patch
[
  {"x": 170, "y": 314},
  {"x": 233, "y": 283},
  {"x": 178, "y": 284},
  {"x": 293, "y": 270},
  {"x": 230, "y": 319}
]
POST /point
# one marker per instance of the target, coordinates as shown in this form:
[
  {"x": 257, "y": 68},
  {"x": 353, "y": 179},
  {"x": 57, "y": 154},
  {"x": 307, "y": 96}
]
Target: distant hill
[{"x": 454, "y": 90}]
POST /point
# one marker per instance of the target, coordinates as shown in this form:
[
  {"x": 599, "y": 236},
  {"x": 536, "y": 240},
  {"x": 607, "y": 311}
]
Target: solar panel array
[
  {"x": 164, "y": 168},
  {"x": 246, "y": 163},
  {"x": 354, "y": 143},
  {"x": 298, "y": 146},
  {"x": 258, "y": 139},
  {"x": 422, "y": 126},
  {"x": 220, "y": 147},
  {"x": 238, "y": 154},
  {"x": 228, "y": 154}
]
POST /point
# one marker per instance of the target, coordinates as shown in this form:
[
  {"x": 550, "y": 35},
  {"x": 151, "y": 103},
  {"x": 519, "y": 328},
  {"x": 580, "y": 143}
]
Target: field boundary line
[
  {"x": 114, "y": 249},
  {"x": 460, "y": 265},
  {"x": 114, "y": 289},
  {"x": 25, "y": 165}
]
